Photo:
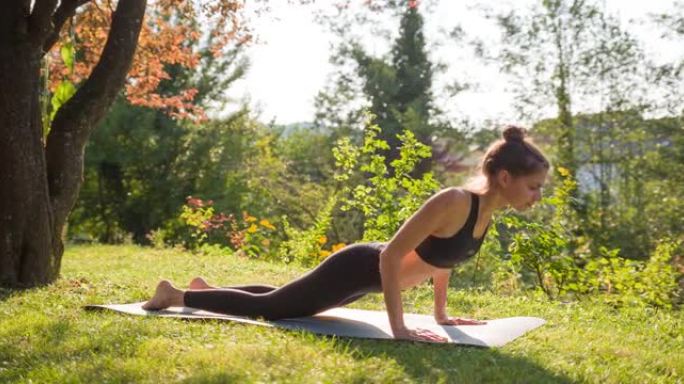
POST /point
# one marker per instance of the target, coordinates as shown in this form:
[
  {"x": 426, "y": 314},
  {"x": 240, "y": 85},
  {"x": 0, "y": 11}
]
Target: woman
[{"x": 447, "y": 229}]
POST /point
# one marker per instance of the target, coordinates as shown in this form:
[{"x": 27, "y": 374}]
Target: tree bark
[
  {"x": 39, "y": 182},
  {"x": 25, "y": 214}
]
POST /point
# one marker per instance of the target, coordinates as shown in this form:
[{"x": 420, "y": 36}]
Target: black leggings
[{"x": 343, "y": 277}]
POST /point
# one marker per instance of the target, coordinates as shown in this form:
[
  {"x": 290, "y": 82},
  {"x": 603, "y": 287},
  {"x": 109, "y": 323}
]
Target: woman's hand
[
  {"x": 419, "y": 334},
  {"x": 459, "y": 321}
]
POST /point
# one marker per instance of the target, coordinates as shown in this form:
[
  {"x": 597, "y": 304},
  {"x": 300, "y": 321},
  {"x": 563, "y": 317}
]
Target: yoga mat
[{"x": 347, "y": 322}]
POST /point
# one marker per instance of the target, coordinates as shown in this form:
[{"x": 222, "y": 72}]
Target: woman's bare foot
[
  {"x": 199, "y": 283},
  {"x": 166, "y": 295}
]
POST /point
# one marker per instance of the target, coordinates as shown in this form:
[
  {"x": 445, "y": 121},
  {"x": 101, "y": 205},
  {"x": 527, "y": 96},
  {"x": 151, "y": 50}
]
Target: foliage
[
  {"x": 628, "y": 179},
  {"x": 384, "y": 212},
  {"x": 307, "y": 152},
  {"x": 171, "y": 36},
  {"x": 199, "y": 215},
  {"x": 574, "y": 54},
  {"x": 541, "y": 248},
  {"x": 631, "y": 282},
  {"x": 274, "y": 188},
  {"x": 668, "y": 76},
  {"x": 250, "y": 237},
  {"x": 140, "y": 163},
  {"x": 386, "y": 201},
  {"x": 256, "y": 238},
  {"x": 63, "y": 90},
  {"x": 396, "y": 88},
  {"x": 543, "y": 251},
  {"x": 306, "y": 246}
]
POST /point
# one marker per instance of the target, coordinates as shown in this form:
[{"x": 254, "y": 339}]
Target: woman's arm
[
  {"x": 428, "y": 219},
  {"x": 389, "y": 272},
  {"x": 440, "y": 281}
]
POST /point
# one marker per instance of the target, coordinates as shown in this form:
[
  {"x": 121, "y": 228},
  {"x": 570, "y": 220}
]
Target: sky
[{"x": 290, "y": 60}]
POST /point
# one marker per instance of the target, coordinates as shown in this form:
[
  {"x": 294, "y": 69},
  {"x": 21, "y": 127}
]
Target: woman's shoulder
[{"x": 454, "y": 197}]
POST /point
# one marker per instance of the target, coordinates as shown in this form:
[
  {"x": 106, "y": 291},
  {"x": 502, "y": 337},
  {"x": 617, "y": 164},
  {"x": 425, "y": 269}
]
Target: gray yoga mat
[{"x": 347, "y": 322}]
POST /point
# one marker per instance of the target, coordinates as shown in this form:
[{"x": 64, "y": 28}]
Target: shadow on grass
[
  {"x": 419, "y": 361},
  {"x": 451, "y": 363},
  {"x": 435, "y": 362},
  {"x": 6, "y": 293},
  {"x": 40, "y": 353}
]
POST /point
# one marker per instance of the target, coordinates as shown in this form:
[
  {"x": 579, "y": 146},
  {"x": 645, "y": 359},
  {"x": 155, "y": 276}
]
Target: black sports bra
[{"x": 445, "y": 252}]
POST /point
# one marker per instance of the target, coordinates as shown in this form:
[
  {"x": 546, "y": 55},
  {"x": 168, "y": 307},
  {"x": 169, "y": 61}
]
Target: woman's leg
[
  {"x": 343, "y": 277},
  {"x": 253, "y": 288},
  {"x": 199, "y": 283}
]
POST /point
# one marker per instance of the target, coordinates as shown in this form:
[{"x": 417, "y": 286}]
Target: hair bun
[{"x": 514, "y": 133}]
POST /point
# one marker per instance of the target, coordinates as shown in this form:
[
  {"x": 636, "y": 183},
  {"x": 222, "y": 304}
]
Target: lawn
[{"x": 46, "y": 336}]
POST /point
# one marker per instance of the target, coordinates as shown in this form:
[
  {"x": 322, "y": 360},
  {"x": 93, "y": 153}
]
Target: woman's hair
[{"x": 515, "y": 153}]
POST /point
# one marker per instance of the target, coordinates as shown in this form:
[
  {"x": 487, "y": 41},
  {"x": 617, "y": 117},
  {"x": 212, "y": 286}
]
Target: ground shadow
[
  {"x": 425, "y": 362},
  {"x": 421, "y": 362},
  {"x": 6, "y": 293}
]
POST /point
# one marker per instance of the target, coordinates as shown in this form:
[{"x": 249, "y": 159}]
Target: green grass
[{"x": 46, "y": 336}]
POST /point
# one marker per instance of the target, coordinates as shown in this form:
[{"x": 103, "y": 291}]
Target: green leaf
[
  {"x": 62, "y": 94},
  {"x": 68, "y": 53}
]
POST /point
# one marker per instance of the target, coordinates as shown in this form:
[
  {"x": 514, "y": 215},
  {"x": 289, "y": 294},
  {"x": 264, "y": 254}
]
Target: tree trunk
[
  {"x": 566, "y": 146},
  {"x": 39, "y": 181},
  {"x": 28, "y": 253}
]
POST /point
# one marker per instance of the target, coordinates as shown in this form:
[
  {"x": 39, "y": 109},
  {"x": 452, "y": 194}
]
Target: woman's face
[{"x": 522, "y": 192}]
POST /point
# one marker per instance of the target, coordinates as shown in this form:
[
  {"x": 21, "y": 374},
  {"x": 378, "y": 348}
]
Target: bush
[
  {"x": 653, "y": 282},
  {"x": 251, "y": 237},
  {"x": 539, "y": 250},
  {"x": 306, "y": 246},
  {"x": 543, "y": 254},
  {"x": 386, "y": 201}
]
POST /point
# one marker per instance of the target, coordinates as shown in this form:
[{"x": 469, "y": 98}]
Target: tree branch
[
  {"x": 66, "y": 9},
  {"x": 40, "y": 19},
  {"x": 13, "y": 15},
  {"x": 77, "y": 118}
]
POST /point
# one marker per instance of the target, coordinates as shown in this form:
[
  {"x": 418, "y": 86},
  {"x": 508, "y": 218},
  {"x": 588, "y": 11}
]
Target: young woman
[{"x": 447, "y": 229}]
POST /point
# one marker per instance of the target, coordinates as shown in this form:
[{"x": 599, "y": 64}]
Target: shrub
[
  {"x": 306, "y": 246},
  {"x": 250, "y": 237},
  {"x": 386, "y": 201},
  {"x": 632, "y": 282},
  {"x": 539, "y": 250},
  {"x": 544, "y": 254}
]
